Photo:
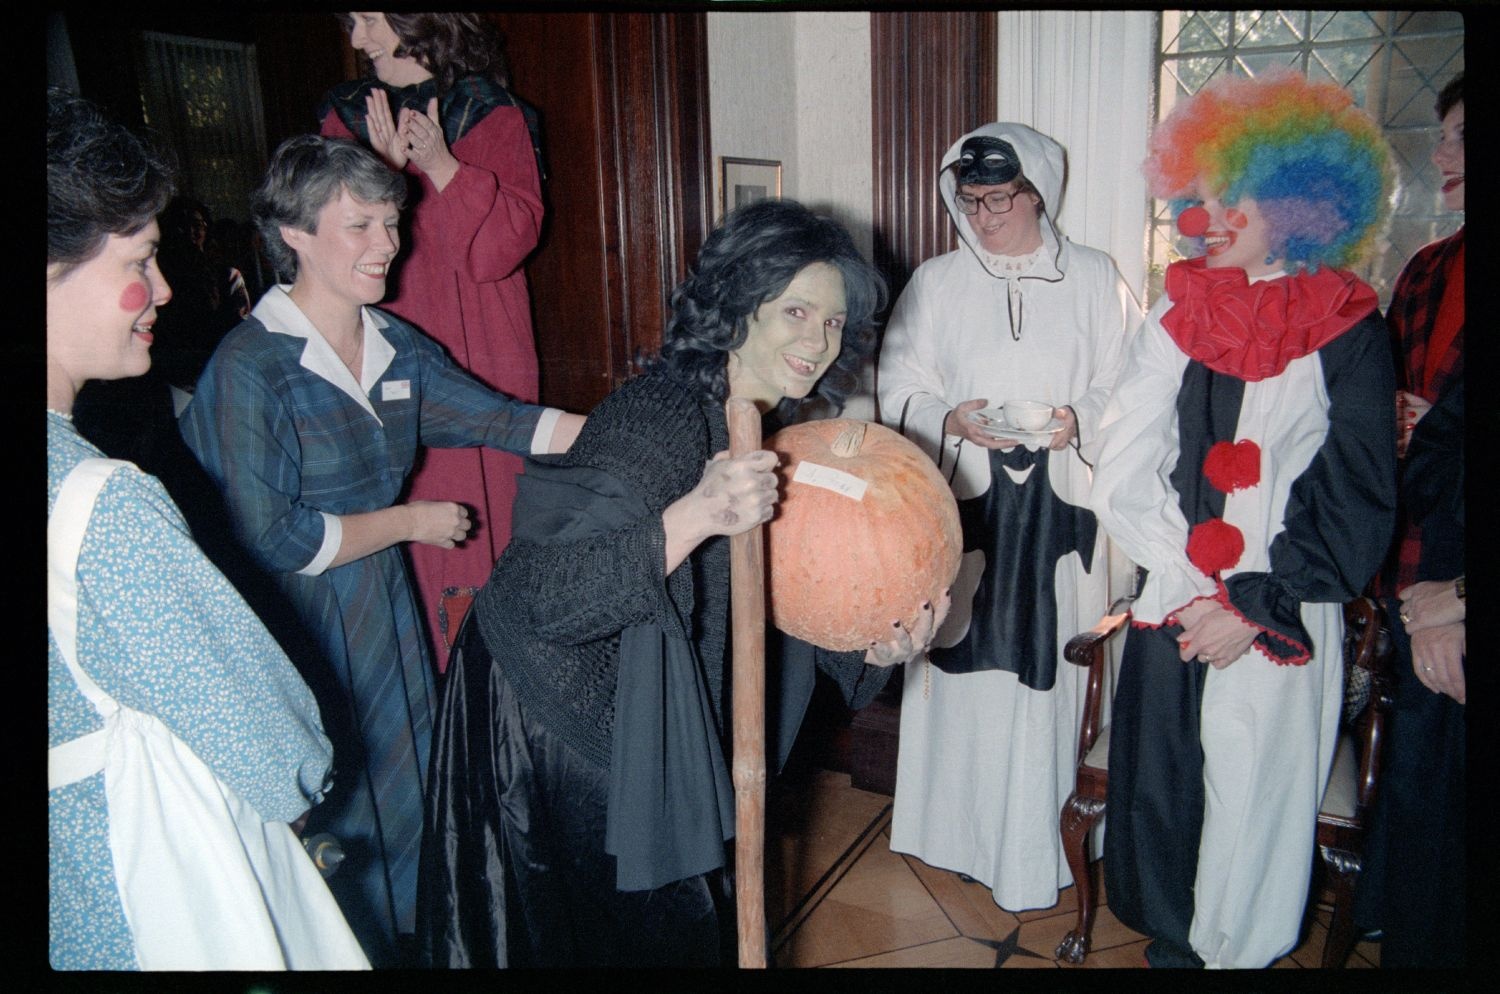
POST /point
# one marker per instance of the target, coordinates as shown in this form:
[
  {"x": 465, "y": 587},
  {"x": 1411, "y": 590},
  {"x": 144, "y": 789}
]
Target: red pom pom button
[
  {"x": 1215, "y": 545},
  {"x": 1229, "y": 467}
]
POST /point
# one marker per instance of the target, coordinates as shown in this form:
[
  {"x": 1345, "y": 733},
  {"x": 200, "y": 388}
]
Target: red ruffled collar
[{"x": 1252, "y": 330}]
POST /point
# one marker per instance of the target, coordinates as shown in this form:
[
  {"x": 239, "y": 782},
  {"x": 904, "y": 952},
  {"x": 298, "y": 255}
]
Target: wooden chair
[
  {"x": 1347, "y": 802},
  {"x": 1091, "y": 782}
]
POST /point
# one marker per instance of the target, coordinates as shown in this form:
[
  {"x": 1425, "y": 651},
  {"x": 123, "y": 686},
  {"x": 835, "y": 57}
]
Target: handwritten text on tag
[{"x": 828, "y": 478}]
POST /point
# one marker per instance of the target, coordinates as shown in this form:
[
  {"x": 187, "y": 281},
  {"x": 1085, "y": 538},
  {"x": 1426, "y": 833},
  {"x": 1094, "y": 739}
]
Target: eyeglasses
[{"x": 996, "y": 202}]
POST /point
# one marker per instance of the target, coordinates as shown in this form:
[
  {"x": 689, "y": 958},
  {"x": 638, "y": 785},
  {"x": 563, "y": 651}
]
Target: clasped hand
[
  {"x": 1213, "y": 634},
  {"x": 1433, "y": 615}
]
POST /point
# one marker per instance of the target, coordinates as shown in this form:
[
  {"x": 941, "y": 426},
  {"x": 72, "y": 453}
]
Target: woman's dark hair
[
  {"x": 448, "y": 45},
  {"x": 306, "y": 172},
  {"x": 1451, "y": 96},
  {"x": 102, "y": 180},
  {"x": 749, "y": 259}
]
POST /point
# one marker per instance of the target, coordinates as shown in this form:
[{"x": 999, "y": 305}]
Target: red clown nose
[{"x": 1193, "y": 222}]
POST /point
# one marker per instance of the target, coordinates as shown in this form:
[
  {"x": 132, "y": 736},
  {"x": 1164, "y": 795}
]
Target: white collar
[
  {"x": 1012, "y": 265},
  {"x": 281, "y": 315}
]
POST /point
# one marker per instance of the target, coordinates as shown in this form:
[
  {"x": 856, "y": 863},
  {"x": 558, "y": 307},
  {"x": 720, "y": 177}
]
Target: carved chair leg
[
  {"x": 1342, "y": 868},
  {"x": 1077, "y": 820}
]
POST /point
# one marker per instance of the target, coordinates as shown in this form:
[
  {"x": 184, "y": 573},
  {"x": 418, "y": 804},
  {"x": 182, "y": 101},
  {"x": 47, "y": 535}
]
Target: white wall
[
  {"x": 752, "y": 92},
  {"x": 835, "y": 166},
  {"x": 795, "y": 86}
]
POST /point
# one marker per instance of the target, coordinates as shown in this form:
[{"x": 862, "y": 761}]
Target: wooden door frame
[
  {"x": 623, "y": 99},
  {"x": 933, "y": 77}
]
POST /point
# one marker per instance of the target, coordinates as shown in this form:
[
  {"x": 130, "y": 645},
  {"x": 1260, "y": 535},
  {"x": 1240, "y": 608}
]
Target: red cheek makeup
[{"x": 134, "y": 298}]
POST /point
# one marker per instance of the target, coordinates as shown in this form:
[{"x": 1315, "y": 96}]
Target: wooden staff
[{"x": 748, "y": 608}]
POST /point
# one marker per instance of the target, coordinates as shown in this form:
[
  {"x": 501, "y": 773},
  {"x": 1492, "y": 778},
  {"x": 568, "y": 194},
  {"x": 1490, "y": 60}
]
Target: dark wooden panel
[
  {"x": 933, "y": 77},
  {"x": 552, "y": 65},
  {"x": 624, "y": 104},
  {"x": 300, "y": 57}
]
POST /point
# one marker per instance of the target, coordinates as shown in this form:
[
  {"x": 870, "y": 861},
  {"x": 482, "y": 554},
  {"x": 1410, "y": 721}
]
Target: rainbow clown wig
[{"x": 1317, "y": 165}]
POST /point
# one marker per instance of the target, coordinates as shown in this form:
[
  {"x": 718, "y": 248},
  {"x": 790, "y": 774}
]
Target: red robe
[{"x": 460, "y": 280}]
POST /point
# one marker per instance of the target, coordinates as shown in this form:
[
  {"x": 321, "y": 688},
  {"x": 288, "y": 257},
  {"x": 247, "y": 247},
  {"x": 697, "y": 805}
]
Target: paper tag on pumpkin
[{"x": 829, "y": 478}]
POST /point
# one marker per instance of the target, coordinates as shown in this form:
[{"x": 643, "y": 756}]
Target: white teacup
[{"x": 1027, "y": 415}]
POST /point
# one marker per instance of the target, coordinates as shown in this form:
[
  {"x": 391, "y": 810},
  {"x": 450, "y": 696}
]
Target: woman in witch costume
[
  {"x": 1248, "y": 465},
  {"x": 580, "y": 797},
  {"x": 438, "y": 109}
]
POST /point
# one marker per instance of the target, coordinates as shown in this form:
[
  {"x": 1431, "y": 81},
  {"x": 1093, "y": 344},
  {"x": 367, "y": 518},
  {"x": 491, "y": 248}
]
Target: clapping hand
[
  {"x": 384, "y": 137},
  {"x": 426, "y": 148}
]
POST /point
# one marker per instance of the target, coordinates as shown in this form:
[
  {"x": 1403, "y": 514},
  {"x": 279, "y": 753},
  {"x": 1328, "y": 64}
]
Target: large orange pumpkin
[{"x": 866, "y": 531}]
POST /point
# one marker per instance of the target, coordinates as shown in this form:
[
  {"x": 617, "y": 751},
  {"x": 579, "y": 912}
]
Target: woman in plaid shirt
[
  {"x": 308, "y": 418},
  {"x": 1416, "y": 849}
]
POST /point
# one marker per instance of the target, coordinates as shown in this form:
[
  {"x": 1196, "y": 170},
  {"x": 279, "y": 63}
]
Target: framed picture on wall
[{"x": 744, "y": 181}]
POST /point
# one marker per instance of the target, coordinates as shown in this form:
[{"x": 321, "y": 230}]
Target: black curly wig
[{"x": 750, "y": 258}]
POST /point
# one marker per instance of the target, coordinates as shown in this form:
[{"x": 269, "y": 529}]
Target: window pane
[
  {"x": 1430, "y": 21},
  {"x": 1344, "y": 25},
  {"x": 1268, "y": 27},
  {"x": 1187, "y": 75},
  {"x": 204, "y": 96},
  {"x": 1203, "y": 31}
]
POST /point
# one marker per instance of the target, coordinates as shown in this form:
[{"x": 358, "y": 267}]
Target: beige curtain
[{"x": 1085, "y": 79}]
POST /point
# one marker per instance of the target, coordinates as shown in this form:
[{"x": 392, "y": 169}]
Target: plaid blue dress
[{"x": 294, "y": 441}]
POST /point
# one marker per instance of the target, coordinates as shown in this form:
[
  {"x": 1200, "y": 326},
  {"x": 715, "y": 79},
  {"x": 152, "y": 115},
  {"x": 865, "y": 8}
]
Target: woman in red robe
[{"x": 437, "y": 108}]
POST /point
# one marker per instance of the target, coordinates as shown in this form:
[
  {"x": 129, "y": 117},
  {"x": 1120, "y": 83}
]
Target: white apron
[{"x": 206, "y": 883}]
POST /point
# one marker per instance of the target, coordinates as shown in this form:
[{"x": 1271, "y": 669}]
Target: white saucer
[{"x": 991, "y": 421}]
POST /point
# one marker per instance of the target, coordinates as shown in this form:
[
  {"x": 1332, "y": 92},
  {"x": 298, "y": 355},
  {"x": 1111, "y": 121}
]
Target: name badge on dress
[{"x": 395, "y": 390}]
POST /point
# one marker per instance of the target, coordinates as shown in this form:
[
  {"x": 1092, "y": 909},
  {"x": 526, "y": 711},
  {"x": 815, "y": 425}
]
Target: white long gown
[{"x": 985, "y": 762}]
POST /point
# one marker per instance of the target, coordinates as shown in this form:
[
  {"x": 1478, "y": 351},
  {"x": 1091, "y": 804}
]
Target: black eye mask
[{"x": 987, "y": 161}]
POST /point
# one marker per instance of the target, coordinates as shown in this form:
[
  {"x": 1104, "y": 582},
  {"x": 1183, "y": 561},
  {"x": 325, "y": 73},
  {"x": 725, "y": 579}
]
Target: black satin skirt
[{"x": 513, "y": 868}]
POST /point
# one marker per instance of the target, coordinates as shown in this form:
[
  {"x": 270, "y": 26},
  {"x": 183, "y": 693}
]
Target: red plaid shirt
[{"x": 1426, "y": 319}]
